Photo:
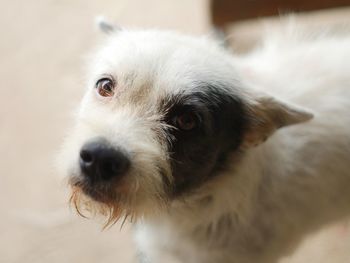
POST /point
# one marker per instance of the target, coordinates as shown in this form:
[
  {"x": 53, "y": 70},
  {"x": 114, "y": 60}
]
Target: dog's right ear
[{"x": 105, "y": 26}]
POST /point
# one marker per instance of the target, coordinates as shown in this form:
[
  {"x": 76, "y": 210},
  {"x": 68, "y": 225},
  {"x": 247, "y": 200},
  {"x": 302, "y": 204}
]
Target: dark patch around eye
[{"x": 198, "y": 155}]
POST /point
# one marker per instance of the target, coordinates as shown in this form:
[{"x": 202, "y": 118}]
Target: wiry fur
[{"x": 268, "y": 193}]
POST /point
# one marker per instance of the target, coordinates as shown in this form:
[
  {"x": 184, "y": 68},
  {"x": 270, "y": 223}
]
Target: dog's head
[{"x": 163, "y": 114}]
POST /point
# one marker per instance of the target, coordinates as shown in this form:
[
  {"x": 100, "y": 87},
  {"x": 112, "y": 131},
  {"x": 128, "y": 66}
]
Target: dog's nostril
[{"x": 86, "y": 157}]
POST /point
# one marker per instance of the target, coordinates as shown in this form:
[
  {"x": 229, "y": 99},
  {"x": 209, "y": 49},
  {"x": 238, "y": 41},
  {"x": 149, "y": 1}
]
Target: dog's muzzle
[{"x": 102, "y": 162}]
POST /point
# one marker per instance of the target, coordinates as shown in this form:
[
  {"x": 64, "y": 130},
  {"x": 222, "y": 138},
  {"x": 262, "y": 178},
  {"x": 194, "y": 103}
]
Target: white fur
[
  {"x": 295, "y": 182},
  {"x": 287, "y": 187}
]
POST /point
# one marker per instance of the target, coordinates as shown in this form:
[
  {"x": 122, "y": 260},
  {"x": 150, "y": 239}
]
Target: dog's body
[{"x": 254, "y": 200}]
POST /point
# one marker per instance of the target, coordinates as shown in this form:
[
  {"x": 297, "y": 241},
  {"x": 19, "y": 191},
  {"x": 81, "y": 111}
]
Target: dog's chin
[
  {"x": 112, "y": 201},
  {"x": 98, "y": 199}
]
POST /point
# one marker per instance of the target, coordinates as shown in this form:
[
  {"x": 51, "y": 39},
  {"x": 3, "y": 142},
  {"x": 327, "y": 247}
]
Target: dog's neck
[
  {"x": 222, "y": 212},
  {"x": 230, "y": 193}
]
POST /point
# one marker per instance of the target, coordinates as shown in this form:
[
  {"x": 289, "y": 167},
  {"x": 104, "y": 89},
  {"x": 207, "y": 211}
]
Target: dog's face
[{"x": 163, "y": 114}]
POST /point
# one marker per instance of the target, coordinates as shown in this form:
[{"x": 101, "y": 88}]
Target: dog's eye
[
  {"x": 105, "y": 87},
  {"x": 186, "y": 121}
]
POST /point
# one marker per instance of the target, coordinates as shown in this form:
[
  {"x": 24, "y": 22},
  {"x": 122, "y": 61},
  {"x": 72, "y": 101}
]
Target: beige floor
[{"x": 42, "y": 49}]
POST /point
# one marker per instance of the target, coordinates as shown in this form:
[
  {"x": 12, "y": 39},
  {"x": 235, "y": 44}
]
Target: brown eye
[
  {"x": 187, "y": 121},
  {"x": 105, "y": 87}
]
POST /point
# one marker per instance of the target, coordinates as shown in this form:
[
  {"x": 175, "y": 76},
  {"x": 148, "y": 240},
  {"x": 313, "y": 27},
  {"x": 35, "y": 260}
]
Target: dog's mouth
[
  {"x": 98, "y": 194},
  {"x": 98, "y": 191},
  {"x": 91, "y": 199}
]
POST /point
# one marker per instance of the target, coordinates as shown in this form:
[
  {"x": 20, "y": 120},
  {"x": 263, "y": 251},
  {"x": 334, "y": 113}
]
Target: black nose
[{"x": 100, "y": 161}]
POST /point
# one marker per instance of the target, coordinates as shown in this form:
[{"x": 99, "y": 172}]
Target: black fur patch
[{"x": 198, "y": 155}]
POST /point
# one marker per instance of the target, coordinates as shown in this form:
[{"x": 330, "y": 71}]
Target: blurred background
[{"x": 42, "y": 49}]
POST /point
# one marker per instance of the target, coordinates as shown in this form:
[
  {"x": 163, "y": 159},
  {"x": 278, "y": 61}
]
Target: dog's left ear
[
  {"x": 105, "y": 26},
  {"x": 266, "y": 115}
]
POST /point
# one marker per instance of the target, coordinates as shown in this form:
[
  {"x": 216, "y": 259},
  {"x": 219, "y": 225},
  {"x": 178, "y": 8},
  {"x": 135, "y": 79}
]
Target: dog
[{"x": 214, "y": 157}]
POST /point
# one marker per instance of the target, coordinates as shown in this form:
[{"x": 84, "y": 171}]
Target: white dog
[{"x": 214, "y": 158}]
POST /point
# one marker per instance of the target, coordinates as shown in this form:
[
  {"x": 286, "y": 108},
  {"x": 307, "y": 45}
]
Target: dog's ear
[
  {"x": 266, "y": 115},
  {"x": 105, "y": 26}
]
